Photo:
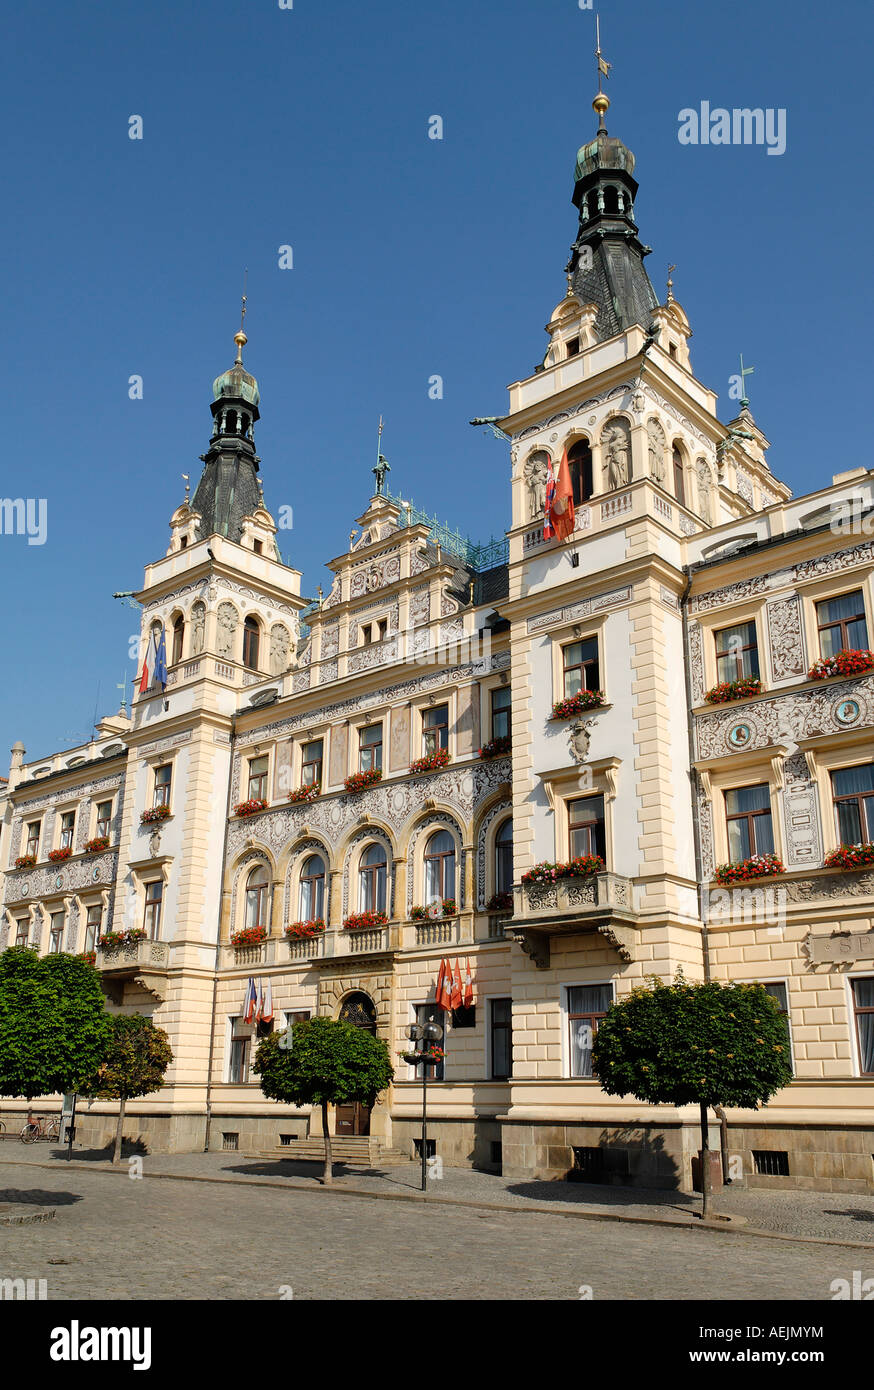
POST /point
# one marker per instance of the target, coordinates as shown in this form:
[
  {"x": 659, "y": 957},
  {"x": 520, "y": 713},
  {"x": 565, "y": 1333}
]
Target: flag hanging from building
[
  {"x": 267, "y": 1003},
  {"x": 457, "y": 996},
  {"x": 444, "y": 985},
  {"x": 548, "y": 530},
  {"x": 259, "y": 1001},
  {"x": 468, "y": 984},
  {"x": 144, "y": 679},
  {"x": 161, "y": 661},
  {"x": 248, "y": 1014},
  {"x": 558, "y": 518}
]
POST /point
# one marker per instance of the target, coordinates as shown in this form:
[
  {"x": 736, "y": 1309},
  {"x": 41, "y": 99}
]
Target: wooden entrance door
[
  {"x": 352, "y": 1119},
  {"x": 355, "y": 1119}
]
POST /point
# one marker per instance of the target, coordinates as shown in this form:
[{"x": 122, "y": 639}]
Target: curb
[{"x": 733, "y": 1226}]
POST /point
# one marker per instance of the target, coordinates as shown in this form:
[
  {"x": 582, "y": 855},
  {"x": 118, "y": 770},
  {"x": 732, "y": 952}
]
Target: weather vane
[
  {"x": 670, "y": 299},
  {"x": 602, "y": 101},
  {"x": 744, "y": 373},
  {"x": 382, "y": 464}
]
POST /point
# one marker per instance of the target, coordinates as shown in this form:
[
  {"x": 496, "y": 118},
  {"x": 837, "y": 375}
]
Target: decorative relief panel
[
  {"x": 705, "y": 833},
  {"x": 861, "y": 554},
  {"x": 420, "y": 605},
  {"x": 696, "y": 663},
  {"x": 330, "y": 639},
  {"x": 729, "y": 593},
  {"x": 744, "y": 487},
  {"x": 615, "y": 391},
  {"x": 584, "y": 609},
  {"x": 784, "y": 631},
  {"x": 785, "y": 718},
  {"x": 97, "y": 871},
  {"x": 800, "y": 814}
]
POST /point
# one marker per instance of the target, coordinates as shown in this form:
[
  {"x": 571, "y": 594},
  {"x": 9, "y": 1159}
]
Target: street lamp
[{"x": 429, "y": 1034}]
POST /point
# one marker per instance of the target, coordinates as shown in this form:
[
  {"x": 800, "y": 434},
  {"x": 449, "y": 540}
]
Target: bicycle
[{"x": 40, "y": 1127}]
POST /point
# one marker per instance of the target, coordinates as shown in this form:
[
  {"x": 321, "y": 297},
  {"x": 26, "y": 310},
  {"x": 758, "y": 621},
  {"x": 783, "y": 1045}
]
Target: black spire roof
[{"x": 229, "y": 489}]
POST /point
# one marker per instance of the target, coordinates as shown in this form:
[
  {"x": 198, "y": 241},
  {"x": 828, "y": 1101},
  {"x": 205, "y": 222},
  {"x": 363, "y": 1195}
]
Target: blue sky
[{"x": 412, "y": 257}]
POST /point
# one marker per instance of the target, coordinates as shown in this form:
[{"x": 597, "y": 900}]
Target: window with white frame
[
  {"x": 777, "y": 990},
  {"x": 68, "y": 829},
  {"x": 312, "y": 888},
  {"x": 56, "y": 932},
  {"x": 153, "y": 904},
  {"x": 372, "y": 876},
  {"x": 93, "y": 922},
  {"x": 103, "y": 822},
  {"x": 258, "y": 778},
  {"x": 257, "y": 885},
  {"x": 439, "y": 867},
  {"x": 163, "y": 779},
  {"x": 241, "y": 1043},
  {"x": 33, "y": 835},
  {"x": 863, "y": 1012},
  {"x": 504, "y": 857},
  {"x": 586, "y": 1005},
  {"x": 370, "y": 748}
]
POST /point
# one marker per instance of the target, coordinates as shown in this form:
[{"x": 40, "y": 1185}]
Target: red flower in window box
[
  {"x": 578, "y": 704},
  {"x": 845, "y": 663},
  {"x": 500, "y": 902},
  {"x": 359, "y": 781},
  {"x": 305, "y": 793},
  {"x": 250, "y": 808},
  {"x": 248, "y": 936},
  {"x": 850, "y": 857},
  {"x": 25, "y": 861},
  {"x": 154, "y": 814},
  {"x": 582, "y": 867},
  {"x": 498, "y": 748},
  {"x": 446, "y": 908},
  {"x": 360, "y": 921},
  {"x": 100, "y": 842},
  {"x": 757, "y": 866},
  {"x": 302, "y": 931},
  {"x": 740, "y": 689},
  {"x": 58, "y": 856},
  {"x": 113, "y": 939},
  {"x": 431, "y": 761},
  {"x": 89, "y": 956}
]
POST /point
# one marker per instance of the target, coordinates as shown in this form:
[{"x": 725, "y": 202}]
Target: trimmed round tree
[
  {"x": 694, "y": 1044},
  {"x": 54, "y": 1027},
  {"x": 323, "y": 1061},
  {"x": 137, "y": 1056}
]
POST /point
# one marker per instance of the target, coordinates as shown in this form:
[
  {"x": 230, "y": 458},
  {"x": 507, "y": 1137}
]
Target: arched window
[
  {"x": 580, "y": 460},
  {"x": 611, "y": 198},
  {"x": 372, "y": 879},
  {"x": 256, "y": 897},
  {"x": 178, "y": 639},
  {"x": 504, "y": 857},
  {"x": 231, "y": 422},
  {"x": 679, "y": 483},
  {"x": 312, "y": 888},
  {"x": 251, "y": 643},
  {"x": 439, "y": 867}
]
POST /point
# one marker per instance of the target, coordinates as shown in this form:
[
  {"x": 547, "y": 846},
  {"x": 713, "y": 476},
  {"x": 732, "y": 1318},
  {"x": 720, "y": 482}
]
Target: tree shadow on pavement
[
  {"x": 130, "y": 1148},
  {"x": 38, "y": 1197},
  {"x": 854, "y": 1213}
]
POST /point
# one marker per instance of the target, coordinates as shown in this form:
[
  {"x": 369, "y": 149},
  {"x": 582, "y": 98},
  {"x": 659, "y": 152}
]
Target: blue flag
[{"x": 160, "y": 676}]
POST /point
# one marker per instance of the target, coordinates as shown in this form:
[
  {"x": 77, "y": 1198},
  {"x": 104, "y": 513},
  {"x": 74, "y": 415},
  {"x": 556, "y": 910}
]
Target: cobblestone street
[{"x": 114, "y": 1237}]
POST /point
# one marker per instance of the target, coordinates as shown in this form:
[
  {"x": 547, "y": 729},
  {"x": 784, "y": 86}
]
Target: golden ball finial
[
  {"x": 241, "y": 340},
  {"x": 600, "y": 104}
]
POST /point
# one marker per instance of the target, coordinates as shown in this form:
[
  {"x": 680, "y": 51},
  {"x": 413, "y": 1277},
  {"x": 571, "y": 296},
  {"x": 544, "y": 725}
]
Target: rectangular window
[
  {"x": 152, "y": 917},
  {"x": 370, "y": 747},
  {"x": 581, "y": 667},
  {"x": 748, "y": 823},
  {"x": 366, "y": 635},
  {"x": 311, "y": 764},
  {"x": 56, "y": 933},
  {"x": 429, "y": 1013},
  {"x": 33, "y": 833},
  {"x": 778, "y": 992},
  {"x": 501, "y": 1037},
  {"x": 586, "y": 1006},
  {"x": 92, "y": 927},
  {"x": 737, "y": 652},
  {"x": 258, "y": 778},
  {"x": 863, "y": 1008},
  {"x": 68, "y": 827},
  {"x": 841, "y": 624},
  {"x": 241, "y": 1041},
  {"x": 853, "y": 796},
  {"x": 501, "y": 711},
  {"x": 297, "y": 1016},
  {"x": 586, "y": 827},
  {"x": 163, "y": 777},
  {"x": 22, "y": 931},
  {"x": 435, "y": 728},
  {"x": 104, "y": 818}
]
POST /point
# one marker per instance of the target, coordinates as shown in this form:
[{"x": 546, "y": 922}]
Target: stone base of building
[{"x": 472, "y": 1143}]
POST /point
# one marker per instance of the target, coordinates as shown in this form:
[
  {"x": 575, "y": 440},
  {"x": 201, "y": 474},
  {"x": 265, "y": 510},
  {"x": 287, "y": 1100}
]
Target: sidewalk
[{"x": 828, "y": 1216}]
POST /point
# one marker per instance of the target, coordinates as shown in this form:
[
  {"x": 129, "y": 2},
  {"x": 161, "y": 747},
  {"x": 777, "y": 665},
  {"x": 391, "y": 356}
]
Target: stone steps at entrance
[{"x": 362, "y": 1152}]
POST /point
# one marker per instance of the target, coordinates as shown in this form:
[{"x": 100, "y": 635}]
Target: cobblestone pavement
[
  {"x": 150, "y": 1239},
  {"x": 824, "y": 1215}
]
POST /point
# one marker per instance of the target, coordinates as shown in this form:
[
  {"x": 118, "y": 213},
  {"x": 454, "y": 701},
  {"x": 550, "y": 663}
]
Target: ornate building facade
[{"x": 393, "y": 751}]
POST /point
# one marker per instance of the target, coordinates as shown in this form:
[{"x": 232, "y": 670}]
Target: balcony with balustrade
[{"x": 601, "y": 903}]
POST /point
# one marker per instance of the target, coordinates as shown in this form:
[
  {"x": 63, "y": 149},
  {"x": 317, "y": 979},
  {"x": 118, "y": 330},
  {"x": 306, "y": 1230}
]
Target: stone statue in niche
[
  {"x": 535, "y": 477},
  {"x": 279, "y": 647},
  {"x": 227, "y": 626},
  {"x": 656, "y": 443},
  {"x": 198, "y": 628},
  {"x": 705, "y": 491},
  {"x": 617, "y": 451}
]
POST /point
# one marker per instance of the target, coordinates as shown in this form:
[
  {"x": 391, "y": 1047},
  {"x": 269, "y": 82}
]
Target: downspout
[
  {"x": 218, "y": 937},
  {"x": 703, "y": 904}
]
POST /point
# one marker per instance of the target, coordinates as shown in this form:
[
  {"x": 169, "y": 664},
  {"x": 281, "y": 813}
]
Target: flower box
[
  {"x": 845, "y": 663},
  {"x": 446, "y": 908},
  {"x": 248, "y": 936},
  {"x": 57, "y": 856},
  {"x": 97, "y": 845},
  {"x": 359, "y": 781},
  {"x": 500, "y": 902},
  {"x": 89, "y": 956},
  {"x": 726, "y": 691},
  {"x": 498, "y": 748},
  {"x": 583, "y": 867},
  {"x": 850, "y": 857},
  {"x": 301, "y": 931},
  {"x": 25, "y": 861},
  {"x": 361, "y": 921},
  {"x": 111, "y": 940},
  {"x": 154, "y": 814},
  {"x": 305, "y": 793},
  {"x": 431, "y": 761},
  {"x": 250, "y": 808},
  {"x": 578, "y": 704},
  {"x": 758, "y": 866}
]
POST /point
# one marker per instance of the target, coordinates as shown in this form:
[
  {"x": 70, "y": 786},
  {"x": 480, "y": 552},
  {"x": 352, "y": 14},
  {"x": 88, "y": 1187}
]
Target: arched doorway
[{"x": 360, "y": 1010}]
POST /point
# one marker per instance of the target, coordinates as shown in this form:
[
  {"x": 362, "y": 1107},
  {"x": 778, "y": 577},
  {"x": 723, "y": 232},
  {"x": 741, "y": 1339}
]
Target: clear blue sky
[{"x": 308, "y": 127}]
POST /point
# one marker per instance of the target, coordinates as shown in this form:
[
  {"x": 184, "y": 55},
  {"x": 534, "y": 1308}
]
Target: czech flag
[
  {"x": 558, "y": 519},
  {"x": 249, "y": 1002}
]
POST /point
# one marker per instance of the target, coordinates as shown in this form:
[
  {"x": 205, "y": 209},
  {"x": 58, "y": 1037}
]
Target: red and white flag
[
  {"x": 438, "y": 988},
  {"x": 267, "y": 1003},
  {"x": 445, "y": 995},
  {"x": 558, "y": 518},
  {"x": 457, "y": 995},
  {"x": 468, "y": 984}
]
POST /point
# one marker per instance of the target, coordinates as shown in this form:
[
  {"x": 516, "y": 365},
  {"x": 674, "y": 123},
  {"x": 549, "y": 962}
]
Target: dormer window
[
  {"x": 573, "y": 347},
  {"x": 672, "y": 349},
  {"x": 258, "y": 547}
]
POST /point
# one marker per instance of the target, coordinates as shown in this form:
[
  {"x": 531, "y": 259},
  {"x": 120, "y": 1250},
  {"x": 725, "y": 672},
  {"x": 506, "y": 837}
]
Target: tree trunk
[
  {"x": 116, "y": 1157},
  {"x": 705, "y": 1164},
  {"x": 328, "y": 1175}
]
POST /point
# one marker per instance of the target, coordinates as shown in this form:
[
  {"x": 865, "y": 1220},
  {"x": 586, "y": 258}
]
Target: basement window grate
[
  {"x": 287, "y": 1139},
  {"x": 774, "y": 1163},
  {"x": 231, "y": 1142},
  {"x": 432, "y": 1148}
]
